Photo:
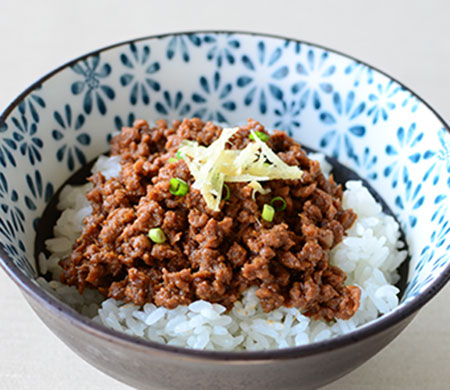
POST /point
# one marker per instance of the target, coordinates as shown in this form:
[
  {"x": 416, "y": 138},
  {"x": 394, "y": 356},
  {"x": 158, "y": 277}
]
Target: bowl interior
[{"x": 325, "y": 100}]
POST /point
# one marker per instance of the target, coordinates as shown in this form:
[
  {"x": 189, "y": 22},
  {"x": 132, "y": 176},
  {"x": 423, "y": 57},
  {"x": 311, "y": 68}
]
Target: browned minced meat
[{"x": 210, "y": 255}]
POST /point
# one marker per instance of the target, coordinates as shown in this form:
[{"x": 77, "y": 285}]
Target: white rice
[{"x": 369, "y": 254}]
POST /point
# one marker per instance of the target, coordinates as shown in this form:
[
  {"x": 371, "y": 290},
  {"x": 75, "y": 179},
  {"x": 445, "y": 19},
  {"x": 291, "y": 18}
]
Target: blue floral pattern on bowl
[
  {"x": 181, "y": 44},
  {"x": 222, "y": 48},
  {"x": 173, "y": 105},
  {"x": 213, "y": 90},
  {"x": 267, "y": 63},
  {"x": 345, "y": 124},
  {"x": 69, "y": 135},
  {"x": 92, "y": 86},
  {"x": 138, "y": 61},
  {"x": 25, "y": 139},
  {"x": 315, "y": 78},
  {"x": 325, "y": 100},
  {"x": 32, "y": 103}
]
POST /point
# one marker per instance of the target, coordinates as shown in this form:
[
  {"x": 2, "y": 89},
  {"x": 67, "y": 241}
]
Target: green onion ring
[
  {"x": 278, "y": 199},
  {"x": 268, "y": 213},
  {"x": 262, "y": 136},
  {"x": 157, "y": 235},
  {"x": 227, "y": 192},
  {"x": 178, "y": 187}
]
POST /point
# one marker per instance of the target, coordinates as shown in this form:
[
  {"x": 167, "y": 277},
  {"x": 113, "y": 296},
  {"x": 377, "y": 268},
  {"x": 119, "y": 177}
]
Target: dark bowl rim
[{"x": 68, "y": 314}]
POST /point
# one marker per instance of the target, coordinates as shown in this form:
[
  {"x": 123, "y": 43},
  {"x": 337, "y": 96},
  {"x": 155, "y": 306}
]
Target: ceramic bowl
[{"x": 324, "y": 99}]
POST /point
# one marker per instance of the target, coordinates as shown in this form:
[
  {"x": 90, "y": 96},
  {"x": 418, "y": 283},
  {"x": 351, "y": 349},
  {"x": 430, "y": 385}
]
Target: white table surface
[{"x": 408, "y": 39}]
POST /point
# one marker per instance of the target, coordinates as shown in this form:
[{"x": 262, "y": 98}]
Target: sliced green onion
[
  {"x": 177, "y": 157},
  {"x": 268, "y": 213},
  {"x": 227, "y": 192},
  {"x": 157, "y": 235},
  {"x": 178, "y": 187},
  {"x": 262, "y": 136},
  {"x": 278, "y": 199}
]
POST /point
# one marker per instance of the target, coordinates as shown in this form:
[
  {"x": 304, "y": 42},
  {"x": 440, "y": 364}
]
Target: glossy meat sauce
[{"x": 209, "y": 255}]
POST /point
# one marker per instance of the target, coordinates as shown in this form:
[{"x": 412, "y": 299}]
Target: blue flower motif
[
  {"x": 125, "y": 121},
  {"x": 416, "y": 285},
  {"x": 440, "y": 236},
  {"x": 345, "y": 125},
  {"x": 411, "y": 100},
  {"x": 436, "y": 251},
  {"x": 9, "y": 234},
  {"x": 138, "y": 62},
  {"x": 413, "y": 286},
  {"x": 440, "y": 168},
  {"x": 34, "y": 102},
  {"x": 7, "y": 145},
  {"x": 441, "y": 261},
  {"x": 266, "y": 68},
  {"x": 404, "y": 154},
  {"x": 38, "y": 193},
  {"x": 410, "y": 202},
  {"x": 368, "y": 163},
  {"x": 360, "y": 71},
  {"x": 17, "y": 217},
  {"x": 7, "y": 230},
  {"x": 222, "y": 48},
  {"x": 213, "y": 92},
  {"x": 444, "y": 152},
  {"x": 435, "y": 254},
  {"x": 296, "y": 46},
  {"x": 173, "y": 104},
  {"x": 73, "y": 140},
  {"x": 93, "y": 86},
  {"x": 382, "y": 101},
  {"x": 119, "y": 123},
  {"x": 288, "y": 117},
  {"x": 440, "y": 217},
  {"x": 315, "y": 78},
  {"x": 180, "y": 42},
  {"x": 440, "y": 212},
  {"x": 25, "y": 139},
  {"x": 19, "y": 259}
]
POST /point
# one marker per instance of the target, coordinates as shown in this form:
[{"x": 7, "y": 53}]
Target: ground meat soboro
[{"x": 210, "y": 255}]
